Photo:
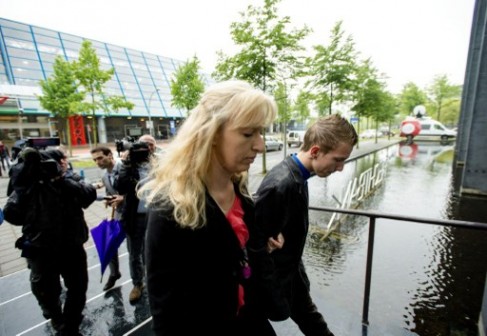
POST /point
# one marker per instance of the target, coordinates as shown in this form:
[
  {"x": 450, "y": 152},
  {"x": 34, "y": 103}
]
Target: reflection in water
[{"x": 426, "y": 279}]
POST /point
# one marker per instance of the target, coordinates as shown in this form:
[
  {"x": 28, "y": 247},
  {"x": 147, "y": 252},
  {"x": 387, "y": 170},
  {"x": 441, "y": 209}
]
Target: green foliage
[
  {"x": 332, "y": 70},
  {"x": 60, "y": 93},
  {"x": 92, "y": 79},
  {"x": 268, "y": 51},
  {"x": 301, "y": 107},
  {"x": 410, "y": 97},
  {"x": 283, "y": 103},
  {"x": 187, "y": 85},
  {"x": 442, "y": 93}
]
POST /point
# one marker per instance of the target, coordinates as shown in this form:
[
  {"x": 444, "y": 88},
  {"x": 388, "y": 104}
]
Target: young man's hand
[{"x": 275, "y": 243}]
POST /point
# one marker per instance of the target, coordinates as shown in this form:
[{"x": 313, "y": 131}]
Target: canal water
[{"x": 427, "y": 280}]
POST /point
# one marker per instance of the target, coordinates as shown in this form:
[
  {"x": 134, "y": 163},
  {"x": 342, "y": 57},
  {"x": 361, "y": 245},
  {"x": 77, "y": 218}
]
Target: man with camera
[
  {"x": 135, "y": 169},
  {"x": 48, "y": 204}
]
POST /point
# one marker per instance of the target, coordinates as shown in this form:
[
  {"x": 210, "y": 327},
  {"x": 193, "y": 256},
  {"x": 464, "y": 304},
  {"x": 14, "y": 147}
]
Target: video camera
[
  {"x": 36, "y": 143},
  {"x": 138, "y": 151},
  {"x": 36, "y": 161}
]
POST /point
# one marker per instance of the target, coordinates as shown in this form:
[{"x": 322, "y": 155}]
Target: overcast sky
[{"x": 408, "y": 40}]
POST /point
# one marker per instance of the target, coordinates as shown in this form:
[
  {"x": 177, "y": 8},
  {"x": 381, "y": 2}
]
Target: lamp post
[{"x": 151, "y": 126}]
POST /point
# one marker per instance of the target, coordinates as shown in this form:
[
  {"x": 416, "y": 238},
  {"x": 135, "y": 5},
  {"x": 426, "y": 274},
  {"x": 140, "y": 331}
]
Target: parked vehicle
[
  {"x": 387, "y": 131},
  {"x": 426, "y": 128},
  {"x": 370, "y": 134},
  {"x": 295, "y": 138},
  {"x": 273, "y": 143}
]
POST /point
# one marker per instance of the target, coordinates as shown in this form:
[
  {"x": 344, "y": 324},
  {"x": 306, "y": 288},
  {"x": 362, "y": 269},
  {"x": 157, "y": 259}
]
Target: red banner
[
  {"x": 3, "y": 100},
  {"x": 77, "y": 127}
]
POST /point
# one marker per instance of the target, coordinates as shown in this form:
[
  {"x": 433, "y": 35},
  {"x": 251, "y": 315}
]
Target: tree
[
  {"x": 442, "y": 93},
  {"x": 301, "y": 106},
  {"x": 92, "y": 80},
  {"x": 268, "y": 51},
  {"x": 411, "y": 96},
  {"x": 187, "y": 85},
  {"x": 60, "y": 95},
  {"x": 332, "y": 70}
]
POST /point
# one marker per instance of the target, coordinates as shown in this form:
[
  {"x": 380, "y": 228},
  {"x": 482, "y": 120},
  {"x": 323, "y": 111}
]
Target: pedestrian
[
  {"x": 53, "y": 233},
  {"x": 199, "y": 209},
  {"x": 135, "y": 169},
  {"x": 104, "y": 159},
  {"x": 282, "y": 209},
  {"x": 4, "y": 158}
]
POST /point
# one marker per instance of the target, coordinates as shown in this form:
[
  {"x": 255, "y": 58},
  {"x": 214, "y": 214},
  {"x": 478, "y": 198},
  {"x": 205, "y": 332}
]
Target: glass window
[
  {"x": 48, "y": 58},
  {"x": 22, "y": 35},
  {"x": 46, "y": 32},
  {"x": 11, "y": 42},
  {"x": 126, "y": 77},
  {"x": 30, "y": 104},
  {"x": 137, "y": 59},
  {"x": 72, "y": 38},
  {"x": 21, "y": 53},
  {"x": 142, "y": 73},
  {"x": 15, "y": 25},
  {"x": 27, "y": 82},
  {"x": 25, "y": 64},
  {"x": 50, "y": 41},
  {"x": 27, "y": 73},
  {"x": 72, "y": 46},
  {"x": 49, "y": 49}
]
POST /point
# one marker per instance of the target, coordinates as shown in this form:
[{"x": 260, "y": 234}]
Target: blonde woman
[{"x": 199, "y": 210}]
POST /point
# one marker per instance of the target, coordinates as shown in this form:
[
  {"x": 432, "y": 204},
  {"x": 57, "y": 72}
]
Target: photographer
[
  {"x": 135, "y": 169},
  {"x": 49, "y": 206}
]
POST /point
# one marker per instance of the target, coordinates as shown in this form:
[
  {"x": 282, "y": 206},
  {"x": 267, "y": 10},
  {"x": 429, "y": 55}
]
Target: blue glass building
[{"x": 27, "y": 55}]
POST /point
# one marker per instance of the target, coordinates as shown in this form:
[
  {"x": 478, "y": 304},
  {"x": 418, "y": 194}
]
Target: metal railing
[{"x": 373, "y": 215}]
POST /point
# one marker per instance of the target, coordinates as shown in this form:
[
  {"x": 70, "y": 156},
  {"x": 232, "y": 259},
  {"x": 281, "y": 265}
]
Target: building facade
[{"x": 27, "y": 55}]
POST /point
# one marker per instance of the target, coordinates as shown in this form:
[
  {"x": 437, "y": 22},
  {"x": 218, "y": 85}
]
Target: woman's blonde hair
[{"x": 178, "y": 176}]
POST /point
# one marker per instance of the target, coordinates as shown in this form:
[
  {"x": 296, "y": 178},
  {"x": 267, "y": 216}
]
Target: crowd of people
[{"x": 213, "y": 258}]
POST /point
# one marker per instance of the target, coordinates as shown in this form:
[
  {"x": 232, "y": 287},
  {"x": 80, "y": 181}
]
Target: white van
[
  {"x": 426, "y": 129},
  {"x": 434, "y": 130},
  {"x": 295, "y": 138}
]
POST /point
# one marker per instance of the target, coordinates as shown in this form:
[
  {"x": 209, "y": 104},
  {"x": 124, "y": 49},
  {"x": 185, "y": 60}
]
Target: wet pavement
[{"x": 106, "y": 313}]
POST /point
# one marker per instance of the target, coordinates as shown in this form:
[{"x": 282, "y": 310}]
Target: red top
[{"x": 235, "y": 217}]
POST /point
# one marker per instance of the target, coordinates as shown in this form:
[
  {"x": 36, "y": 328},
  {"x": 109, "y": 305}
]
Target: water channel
[{"x": 426, "y": 279}]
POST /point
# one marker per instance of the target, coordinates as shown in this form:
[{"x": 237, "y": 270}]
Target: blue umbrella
[{"x": 108, "y": 236}]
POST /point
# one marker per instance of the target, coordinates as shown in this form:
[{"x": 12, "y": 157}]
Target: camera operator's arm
[
  {"x": 127, "y": 179},
  {"x": 83, "y": 192}
]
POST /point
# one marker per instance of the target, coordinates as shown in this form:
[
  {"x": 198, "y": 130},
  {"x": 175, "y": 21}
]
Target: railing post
[{"x": 368, "y": 271}]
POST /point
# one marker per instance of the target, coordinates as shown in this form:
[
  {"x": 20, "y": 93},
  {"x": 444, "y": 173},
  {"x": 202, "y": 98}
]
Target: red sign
[
  {"x": 3, "y": 100},
  {"x": 77, "y": 127}
]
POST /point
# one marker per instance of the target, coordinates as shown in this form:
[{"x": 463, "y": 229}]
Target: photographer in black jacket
[
  {"x": 50, "y": 203},
  {"x": 135, "y": 169}
]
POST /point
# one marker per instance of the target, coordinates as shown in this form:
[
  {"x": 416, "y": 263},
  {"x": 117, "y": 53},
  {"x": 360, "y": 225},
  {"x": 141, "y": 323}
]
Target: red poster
[{"x": 77, "y": 127}]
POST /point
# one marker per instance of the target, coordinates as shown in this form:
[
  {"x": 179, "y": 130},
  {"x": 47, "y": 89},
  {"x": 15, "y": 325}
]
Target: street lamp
[{"x": 151, "y": 126}]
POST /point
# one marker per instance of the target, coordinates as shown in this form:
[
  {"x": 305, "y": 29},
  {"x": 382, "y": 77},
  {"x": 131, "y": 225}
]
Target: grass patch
[
  {"x": 445, "y": 157},
  {"x": 80, "y": 164}
]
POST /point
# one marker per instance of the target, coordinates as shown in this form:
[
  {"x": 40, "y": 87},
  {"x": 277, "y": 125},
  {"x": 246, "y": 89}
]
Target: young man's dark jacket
[
  {"x": 281, "y": 206},
  {"x": 193, "y": 274}
]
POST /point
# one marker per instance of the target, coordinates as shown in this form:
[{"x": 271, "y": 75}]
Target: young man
[
  {"x": 104, "y": 159},
  {"x": 282, "y": 211}
]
